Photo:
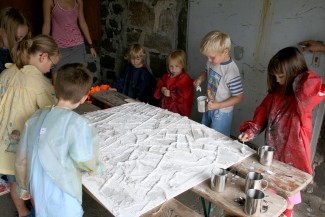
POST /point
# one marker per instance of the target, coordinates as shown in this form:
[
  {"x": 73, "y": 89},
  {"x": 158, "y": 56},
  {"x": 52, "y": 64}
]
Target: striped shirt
[{"x": 224, "y": 81}]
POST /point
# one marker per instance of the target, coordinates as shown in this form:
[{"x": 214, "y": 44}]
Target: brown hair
[
  {"x": 215, "y": 42},
  {"x": 10, "y": 20},
  {"x": 288, "y": 61},
  {"x": 179, "y": 56},
  {"x": 73, "y": 82},
  {"x": 136, "y": 51},
  {"x": 25, "y": 48}
]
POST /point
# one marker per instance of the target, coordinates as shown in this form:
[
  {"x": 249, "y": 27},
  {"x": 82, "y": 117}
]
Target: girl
[
  {"x": 13, "y": 28},
  {"x": 23, "y": 90},
  {"x": 285, "y": 113},
  {"x": 175, "y": 89},
  {"x": 65, "y": 15},
  {"x": 136, "y": 81}
]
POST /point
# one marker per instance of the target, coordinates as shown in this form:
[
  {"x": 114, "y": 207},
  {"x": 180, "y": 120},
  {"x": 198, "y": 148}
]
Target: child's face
[
  {"x": 174, "y": 68},
  {"x": 46, "y": 62},
  {"x": 136, "y": 62},
  {"x": 22, "y": 31},
  {"x": 217, "y": 58},
  {"x": 280, "y": 78}
]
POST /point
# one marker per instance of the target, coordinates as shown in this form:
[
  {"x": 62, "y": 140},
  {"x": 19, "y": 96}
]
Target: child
[
  {"x": 136, "y": 81},
  {"x": 285, "y": 113},
  {"x": 224, "y": 82},
  {"x": 56, "y": 144},
  {"x": 175, "y": 88},
  {"x": 13, "y": 28},
  {"x": 23, "y": 90},
  {"x": 64, "y": 16}
]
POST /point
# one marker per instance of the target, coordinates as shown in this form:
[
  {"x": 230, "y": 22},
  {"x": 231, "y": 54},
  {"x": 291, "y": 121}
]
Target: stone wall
[{"x": 160, "y": 26}]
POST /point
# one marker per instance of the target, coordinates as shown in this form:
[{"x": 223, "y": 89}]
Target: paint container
[
  {"x": 254, "y": 181},
  {"x": 218, "y": 179},
  {"x": 253, "y": 203},
  {"x": 265, "y": 154},
  {"x": 202, "y": 103}
]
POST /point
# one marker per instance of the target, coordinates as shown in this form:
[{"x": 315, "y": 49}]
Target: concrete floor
[{"x": 313, "y": 204}]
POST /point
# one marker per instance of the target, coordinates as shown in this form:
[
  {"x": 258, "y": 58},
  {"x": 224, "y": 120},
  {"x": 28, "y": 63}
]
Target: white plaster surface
[{"x": 152, "y": 155}]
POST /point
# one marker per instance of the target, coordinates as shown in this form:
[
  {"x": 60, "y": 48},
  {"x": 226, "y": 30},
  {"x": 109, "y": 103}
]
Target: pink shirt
[{"x": 65, "y": 29}]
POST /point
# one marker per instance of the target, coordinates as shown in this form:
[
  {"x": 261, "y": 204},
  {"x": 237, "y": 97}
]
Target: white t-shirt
[{"x": 224, "y": 81}]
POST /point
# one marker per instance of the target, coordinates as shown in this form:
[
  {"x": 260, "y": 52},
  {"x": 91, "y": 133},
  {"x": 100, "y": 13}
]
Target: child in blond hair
[
  {"x": 136, "y": 81},
  {"x": 24, "y": 89},
  {"x": 175, "y": 89},
  {"x": 224, "y": 82}
]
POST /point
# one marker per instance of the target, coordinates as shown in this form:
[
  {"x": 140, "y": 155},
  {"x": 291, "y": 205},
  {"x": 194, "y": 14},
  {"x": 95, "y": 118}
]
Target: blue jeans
[{"x": 217, "y": 120}]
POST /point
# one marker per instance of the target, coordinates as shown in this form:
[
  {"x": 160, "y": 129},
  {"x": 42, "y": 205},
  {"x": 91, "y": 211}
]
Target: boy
[
  {"x": 55, "y": 145},
  {"x": 136, "y": 81},
  {"x": 224, "y": 83}
]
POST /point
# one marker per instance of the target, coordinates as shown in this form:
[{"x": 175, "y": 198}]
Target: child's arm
[
  {"x": 84, "y": 149},
  {"x": 21, "y": 166},
  {"x": 161, "y": 84},
  {"x": 47, "y": 7},
  {"x": 213, "y": 105},
  {"x": 250, "y": 129},
  {"x": 84, "y": 27},
  {"x": 200, "y": 79}
]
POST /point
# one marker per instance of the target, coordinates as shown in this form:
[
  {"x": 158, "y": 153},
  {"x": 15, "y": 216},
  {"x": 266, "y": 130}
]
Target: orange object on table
[{"x": 96, "y": 89}]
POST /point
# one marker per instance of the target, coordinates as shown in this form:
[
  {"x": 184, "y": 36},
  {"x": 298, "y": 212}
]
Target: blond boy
[{"x": 224, "y": 88}]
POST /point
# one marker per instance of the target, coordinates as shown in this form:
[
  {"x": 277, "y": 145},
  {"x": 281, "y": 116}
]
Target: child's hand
[
  {"x": 213, "y": 105},
  {"x": 243, "y": 137},
  {"x": 112, "y": 88},
  {"x": 197, "y": 82},
  {"x": 165, "y": 91}
]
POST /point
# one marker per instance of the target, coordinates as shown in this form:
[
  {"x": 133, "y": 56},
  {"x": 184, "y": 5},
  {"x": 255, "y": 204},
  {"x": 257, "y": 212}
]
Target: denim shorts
[
  {"x": 217, "y": 120},
  {"x": 8, "y": 178}
]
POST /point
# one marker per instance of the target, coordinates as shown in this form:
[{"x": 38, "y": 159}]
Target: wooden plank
[
  {"x": 171, "y": 208},
  {"x": 281, "y": 177},
  {"x": 234, "y": 189},
  {"x": 318, "y": 116},
  {"x": 111, "y": 98},
  {"x": 85, "y": 108}
]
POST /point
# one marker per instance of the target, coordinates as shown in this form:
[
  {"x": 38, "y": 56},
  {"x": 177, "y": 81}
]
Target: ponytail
[{"x": 39, "y": 44}]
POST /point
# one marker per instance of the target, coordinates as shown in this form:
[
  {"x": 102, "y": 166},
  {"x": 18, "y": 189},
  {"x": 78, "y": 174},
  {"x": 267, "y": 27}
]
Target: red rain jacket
[
  {"x": 287, "y": 120},
  {"x": 181, "y": 91}
]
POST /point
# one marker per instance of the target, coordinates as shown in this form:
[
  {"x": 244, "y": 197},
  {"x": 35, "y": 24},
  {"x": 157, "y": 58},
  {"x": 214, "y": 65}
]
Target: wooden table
[
  {"x": 235, "y": 186},
  {"x": 85, "y": 108},
  {"x": 283, "y": 178},
  {"x": 111, "y": 98}
]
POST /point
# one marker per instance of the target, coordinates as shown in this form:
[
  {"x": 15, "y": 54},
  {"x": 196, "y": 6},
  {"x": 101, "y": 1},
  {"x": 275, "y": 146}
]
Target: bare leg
[{"x": 19, "y": 203}]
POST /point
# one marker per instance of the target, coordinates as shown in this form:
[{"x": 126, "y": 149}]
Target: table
[
  {"x": 152, "y": 155},
  {"x": 283, "y": 178},
  {"x": 111, "y": 98},
  {"x": 234, "y": 189}
]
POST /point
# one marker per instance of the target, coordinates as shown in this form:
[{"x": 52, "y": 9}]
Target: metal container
[
  {"x": 265, "y": 154},
  {"x": 218, "y": 179}
]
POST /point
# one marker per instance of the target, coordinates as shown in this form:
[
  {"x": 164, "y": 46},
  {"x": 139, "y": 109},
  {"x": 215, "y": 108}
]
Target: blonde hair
[
  {"x": 215, "y": 42},
  {"x": 179, "y": 56},
  {"x": 25, "y": 48},
  {"x": 73, "y": 82},
  {"x": 136, "y": 51},
  {"x": 10, "y": 20}
]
